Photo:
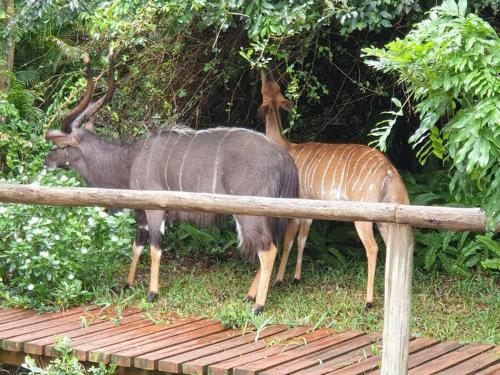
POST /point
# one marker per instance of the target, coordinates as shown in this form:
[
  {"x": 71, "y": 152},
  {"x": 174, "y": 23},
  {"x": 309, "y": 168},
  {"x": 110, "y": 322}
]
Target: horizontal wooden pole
[{"x": 451, "y": 218}]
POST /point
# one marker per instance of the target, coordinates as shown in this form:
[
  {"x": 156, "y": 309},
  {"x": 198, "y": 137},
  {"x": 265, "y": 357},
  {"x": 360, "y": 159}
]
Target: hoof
[
  {"x": 127, "y": 287},
  {"x": 368, "y": 305},
  {"x": 258, "y": 309},
  {"x": 295, "y": 281},
  {"x": 151, "y": 296},
  {"x": 277, "y": 283},
  {"x": 249, "y": 299}
]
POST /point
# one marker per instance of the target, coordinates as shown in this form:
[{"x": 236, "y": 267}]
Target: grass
[{"x": 330, "y": 294}]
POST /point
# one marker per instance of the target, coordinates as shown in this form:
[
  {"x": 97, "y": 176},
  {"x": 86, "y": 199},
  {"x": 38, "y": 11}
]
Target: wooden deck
[{"x": 203, "y": 346}]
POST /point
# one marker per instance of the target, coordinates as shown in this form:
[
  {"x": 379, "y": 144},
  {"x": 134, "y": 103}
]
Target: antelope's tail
[
  {"x": 394, "y": 189},
  {"x": 287, "y": 188}
]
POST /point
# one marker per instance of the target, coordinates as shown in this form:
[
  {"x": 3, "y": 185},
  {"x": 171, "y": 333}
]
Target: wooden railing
[{"x": 399, "y": 254}]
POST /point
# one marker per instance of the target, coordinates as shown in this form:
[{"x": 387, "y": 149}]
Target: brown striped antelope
[
  {"x": 220, "y": 160},
  {"x": 333, "y": 172}
]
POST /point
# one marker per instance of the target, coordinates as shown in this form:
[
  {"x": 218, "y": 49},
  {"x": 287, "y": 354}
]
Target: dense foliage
[
  {"x": 449, "y": 65},
  {"x": 197, "y": 62}
]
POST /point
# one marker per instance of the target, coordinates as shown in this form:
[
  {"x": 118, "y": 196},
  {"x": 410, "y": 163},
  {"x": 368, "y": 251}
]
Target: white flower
[
  {"x": 56, "y": 237},
  {"x": 18, "y": 240},
  {"x": 27, "y": 261},
  {"x": 103, "y": 214},
  {"x": 64, "y": 178},
  {"x": 33, "y": 220},
  {"x": 114, "y": 238},
  {"x": 71, "y": 276},
  {"x": 44, "y": 254},
  {"x": 84, "y": 251},
  {"x": 38, "y": 231},
  {"x": 3, "y": 210},
  {"x": 31, "y": 287},
  {"x": 90, "y": 222}
]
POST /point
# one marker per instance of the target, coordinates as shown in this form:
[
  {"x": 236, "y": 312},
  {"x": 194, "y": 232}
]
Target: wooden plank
[
  {"x": 429, "y": 354},
  {"x": 83, "y": 348},
  {"x": 372, "y": 363},
  {"x": 473, "y": 365},
  {"x": 325, "y": 367},
  {"x": 34, "y": 331},
  {"x": 174, "y": 364},
  {"x": 451, "y": 359},
  {"x": 249, "y": 349},
  {"x": 494, "y": 370},
  {"x": 295, "y": 338},
  {"x": 201, "y": 364},
  {"x": 36, "y": 319},
  {"x": 181, "y": 348},
  {"x": 81, "y": 340},
  {"x": 397, "y": 299},
  {"x": 127, "y": 357},
  {"x": 454, "y": 218},
  {"x": 273, "y": 347},
  {"x": 6, "y": 312},
  {"x": 267, "y": 362},
  {"x": 50, "y": 328},
  {"x": 17, "y": 315},
  {"x": 308, "y": 362},
  {"x": 37, "y": 346}
]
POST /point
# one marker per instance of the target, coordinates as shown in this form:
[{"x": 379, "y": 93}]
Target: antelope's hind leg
[
  {"x": 365, "y": 233},
  {"x": 156, "y": 222},
  {"x": 290, "y": 234},
  {"x": 305, "y": 225},
  {"x": 141, "y": 238},
  {"x": 266, "y": 259}
]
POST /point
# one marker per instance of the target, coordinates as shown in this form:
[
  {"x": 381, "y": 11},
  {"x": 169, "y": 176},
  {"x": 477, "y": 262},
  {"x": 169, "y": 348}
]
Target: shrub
[{"x": 53, "y": 256}]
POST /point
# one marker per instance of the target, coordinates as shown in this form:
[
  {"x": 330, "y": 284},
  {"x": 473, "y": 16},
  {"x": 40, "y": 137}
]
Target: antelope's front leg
[
  {"x": 156, "y": 228},
  {"x": 266, "y": 259},
  {"x": 252, "y": 292},
  {"x": 141, "y": 238}
]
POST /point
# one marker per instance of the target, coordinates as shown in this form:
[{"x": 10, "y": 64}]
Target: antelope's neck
[
  {"x": 274, "y": 129},
  {"x": 107, "y": 166}
]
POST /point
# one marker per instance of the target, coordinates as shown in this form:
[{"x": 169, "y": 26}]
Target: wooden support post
[{"x": 397, "y": 305}]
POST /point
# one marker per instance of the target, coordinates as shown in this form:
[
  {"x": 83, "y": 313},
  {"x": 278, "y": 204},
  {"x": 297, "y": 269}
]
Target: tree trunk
[{"x": 8, "y": 48}]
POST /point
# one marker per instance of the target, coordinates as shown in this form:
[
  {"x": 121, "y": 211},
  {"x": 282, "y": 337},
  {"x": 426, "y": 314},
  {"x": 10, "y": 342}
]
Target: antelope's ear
[
  {"x": 286, "y": 104},
  {"x": 62, "y": 139}
]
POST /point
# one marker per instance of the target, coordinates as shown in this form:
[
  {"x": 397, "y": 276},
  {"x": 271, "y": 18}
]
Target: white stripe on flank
[
  {"x": 313, "y": 173},
  {"x": 216, "y": 167},
  {"x": 313, "y": 162},
  {"x": 336, "y": 168},
  {"x": 352, "y": 174},
  {"x": 148, "y": 163},
  {"x": 296, "y": 156},
  {"x": 342, "y": 184},
  {"x": 184, "y": 159},
  {"x": 311, "y": 148},
  {"x": 327, "y": 168},
  {"x": 365, "y": 165},
  {"x": 374, "y": 169},
  {"x": 305, "y": 182},
  {"x": 179, "y": 136}
]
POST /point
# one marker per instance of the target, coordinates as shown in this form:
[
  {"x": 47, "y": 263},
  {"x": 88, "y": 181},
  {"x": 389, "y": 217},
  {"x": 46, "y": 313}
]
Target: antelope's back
[{"x": 221, "y": 160}]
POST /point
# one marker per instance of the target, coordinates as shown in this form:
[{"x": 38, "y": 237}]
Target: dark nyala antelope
[
  {"x": 333, "y": 172},
  {"x": 220, "y": 160}
]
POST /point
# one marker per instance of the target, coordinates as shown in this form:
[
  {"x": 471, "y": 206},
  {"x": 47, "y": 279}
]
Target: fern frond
[{"x": 71, "y": 52}]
